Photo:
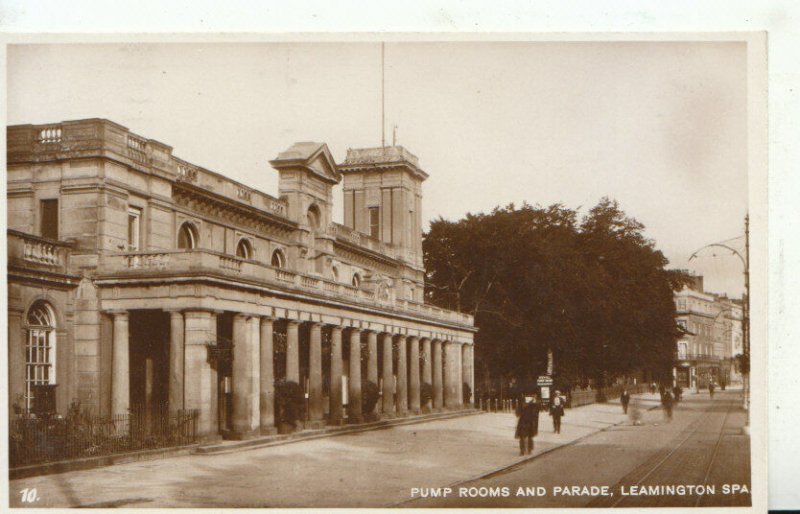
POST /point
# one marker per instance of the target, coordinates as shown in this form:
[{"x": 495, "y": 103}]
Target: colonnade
[{"x": 444, "y": 364}]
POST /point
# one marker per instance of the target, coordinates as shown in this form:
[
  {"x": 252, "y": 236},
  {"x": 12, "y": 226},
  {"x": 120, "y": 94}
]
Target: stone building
[
  {"x": 712, "y": 327},
  {"x": 138, "y": 279}
]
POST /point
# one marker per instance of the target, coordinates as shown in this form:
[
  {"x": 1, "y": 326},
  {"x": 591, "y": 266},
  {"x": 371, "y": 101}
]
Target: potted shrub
[
  {"x": 289, "y": 401},
  {"x": 369, "y": 398},
  {"x": 426, "y": 396}
]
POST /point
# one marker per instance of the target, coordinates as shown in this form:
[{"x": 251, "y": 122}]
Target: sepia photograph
[{"x": 386, "y": 272}]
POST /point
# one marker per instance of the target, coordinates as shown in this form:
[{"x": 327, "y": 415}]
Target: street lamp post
[{"x": 745, "y": 309}]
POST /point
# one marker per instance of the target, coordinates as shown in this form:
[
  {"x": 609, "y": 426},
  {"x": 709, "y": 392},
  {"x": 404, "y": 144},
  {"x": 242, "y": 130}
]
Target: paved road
[
  {"x": 702, "y": 446},
  {"x": 379, "y": 468}
]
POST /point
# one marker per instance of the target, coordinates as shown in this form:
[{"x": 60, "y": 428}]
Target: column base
[
  {"x": 235, "y": 435},
  {"x": 388, "y": 415},
  {"x": 315, "y": 424},
  {"x": 269, "y": 430},
  {"x": 338, "y": 422},
  {"x": 355, "y": 420}
]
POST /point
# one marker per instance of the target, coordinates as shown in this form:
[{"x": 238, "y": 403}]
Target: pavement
[
  {"x": 371, "y": 469},
  {"x": 701, "y": 448}
]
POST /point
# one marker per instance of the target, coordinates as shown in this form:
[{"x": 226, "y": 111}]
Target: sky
[{"x": 661, "y": 127}]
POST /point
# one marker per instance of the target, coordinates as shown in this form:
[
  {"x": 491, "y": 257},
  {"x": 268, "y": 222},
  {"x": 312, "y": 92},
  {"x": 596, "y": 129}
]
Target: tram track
[{"x": 667, "y": 458}]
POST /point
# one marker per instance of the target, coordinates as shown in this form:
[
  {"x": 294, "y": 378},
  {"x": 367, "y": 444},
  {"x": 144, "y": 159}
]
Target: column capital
[
  {"x": 336, "y": 327},
  {"x": 122, "y": 313}
]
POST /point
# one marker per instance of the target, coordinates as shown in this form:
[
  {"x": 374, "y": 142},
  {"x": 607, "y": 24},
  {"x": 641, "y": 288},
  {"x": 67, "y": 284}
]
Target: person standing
[
  {"x": 527, "y": 424},
  {"x": 711, "y": 389},
  {"x": 625, "y": 399},
  {"x": 666, "y": 401},
  {"x": 557, "y": 411}
]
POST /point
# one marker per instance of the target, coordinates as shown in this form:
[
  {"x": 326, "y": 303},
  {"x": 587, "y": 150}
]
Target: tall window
[
  {"x": 134, "y": 234},
  {"x": 49, "y": 219},
  {"x": 682, "y": 349},
  {"x": 244, "y": 249},
  {"x": 278, "y": 259},
  {"x": 40, "y": 350},
  {"x": 187, "y": 237},
  {"x": 356, "y": 280},
  {"x": 375, "y": 222}
]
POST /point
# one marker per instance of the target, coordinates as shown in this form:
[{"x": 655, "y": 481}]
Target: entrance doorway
[{"x": 149, "y": 366}]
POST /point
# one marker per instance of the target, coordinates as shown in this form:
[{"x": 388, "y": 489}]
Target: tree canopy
[{"x": 595, "y": 291}]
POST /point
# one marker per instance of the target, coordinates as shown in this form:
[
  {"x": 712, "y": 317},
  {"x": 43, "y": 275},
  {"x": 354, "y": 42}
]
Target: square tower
[{"x": 383, "y": 197}]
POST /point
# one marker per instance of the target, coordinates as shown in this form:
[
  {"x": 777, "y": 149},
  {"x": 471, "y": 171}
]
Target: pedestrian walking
[
  {"x": 677, "y": 391},
  {"x": 625, "y": 399},
  {"x": 666, "y": 402},
  {"x": 527, "y": 424},
  {"x": 557, "y": 411},
  {"x": 711, "y": 389}
]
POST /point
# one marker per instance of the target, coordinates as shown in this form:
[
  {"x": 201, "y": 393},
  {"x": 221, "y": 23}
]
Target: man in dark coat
[
  {"x": 527, "y": 424},
  {"x": 625, "y": 399},
  {"x": 666, "y": 401},
  {"x": 557, "y": 410}
]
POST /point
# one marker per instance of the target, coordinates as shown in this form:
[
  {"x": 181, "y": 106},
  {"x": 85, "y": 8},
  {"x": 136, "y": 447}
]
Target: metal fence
[{"x": 52, "y": 439}]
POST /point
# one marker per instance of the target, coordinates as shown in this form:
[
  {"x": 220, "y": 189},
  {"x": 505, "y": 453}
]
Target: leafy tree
[{"x": 596, "y": 293}]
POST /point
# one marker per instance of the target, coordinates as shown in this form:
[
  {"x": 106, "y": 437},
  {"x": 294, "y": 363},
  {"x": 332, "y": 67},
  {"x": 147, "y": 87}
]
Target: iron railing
[{"x": 51, "y": 439}]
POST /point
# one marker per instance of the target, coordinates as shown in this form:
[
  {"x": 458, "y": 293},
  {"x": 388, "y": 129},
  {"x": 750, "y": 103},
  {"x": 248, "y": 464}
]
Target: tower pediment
[{"x": 313, "y": 157}]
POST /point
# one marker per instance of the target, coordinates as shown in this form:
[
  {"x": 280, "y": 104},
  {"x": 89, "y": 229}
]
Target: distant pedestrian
[
  {"x": 666, "y": 402},
  {"x": 625, "y": 399},
  {"x": 527, "y": 424},
  {"x": 711, "y": 389},
  {"x": 652, "y": 388},
  {"x": 557, "y": 411},
  {"x": 677, "y": 391}
]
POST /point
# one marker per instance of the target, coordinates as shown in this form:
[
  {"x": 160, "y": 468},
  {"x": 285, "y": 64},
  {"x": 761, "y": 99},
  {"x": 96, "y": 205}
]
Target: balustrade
[
  {"x": 148, "y": 261},
  {"x": 41, "y": 253},
  {"x": 49, "y": 135}
]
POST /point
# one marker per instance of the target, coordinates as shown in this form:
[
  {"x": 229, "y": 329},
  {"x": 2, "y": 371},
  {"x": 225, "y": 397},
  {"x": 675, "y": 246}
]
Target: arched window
[
  {"x": 278, "y": 259},
  {"x": 313, "y": 215},
  {"x": 187, "y": 236},
  {"x": 244, "y": 249},
  {"x": 356, "y": 280},
  {"x": 40, "y": 349},
  {"x": 335, "y": 273}
]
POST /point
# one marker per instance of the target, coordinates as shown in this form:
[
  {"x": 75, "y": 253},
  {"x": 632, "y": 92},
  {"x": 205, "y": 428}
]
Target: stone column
[
  {"x": 427, "y": 368},
  {"x": 176, "y": 360},
  {"x": 293, "y": 352},
  {"x": 438, "y": 387},
  {"x": 267, "y": 378},
  {"x": 335, "y": 416},
  {"x": 449, "y": 379},
  {"x": 372, "y": 358},
  {"x": 120, "y": 376},
  {"x": 459, "y": 374},
  {"x": 246, "y": 368},
  {"x": 413, "y": 376},
  {"x": 16, "y": 358},
  {"x": 388, "y": 377},
  {"x": 354, "y": 413},
  {"x": 472, "y": 370},
  {"x": 402, "y": 376},
  {"x": 467, "y": 374},
  {"x": 315, "y": 411},
  {"x": 197, "y": 391}
]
